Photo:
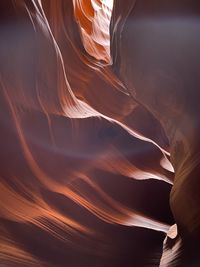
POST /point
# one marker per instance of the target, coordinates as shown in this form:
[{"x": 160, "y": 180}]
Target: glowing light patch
[{"x": 108, "y": 3}]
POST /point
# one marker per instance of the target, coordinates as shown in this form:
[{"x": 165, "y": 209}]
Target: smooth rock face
[
  {"x": 99, "y": 117},
  {"x": 159, "y": 62}
]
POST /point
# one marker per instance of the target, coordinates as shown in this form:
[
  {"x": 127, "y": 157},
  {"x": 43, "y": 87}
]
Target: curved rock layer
[
  {"x": 98, "y": 107},
  {"x": 158, "y": 62}
]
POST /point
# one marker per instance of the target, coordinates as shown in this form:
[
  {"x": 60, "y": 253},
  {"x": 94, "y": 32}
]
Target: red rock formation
[
  {"x": 90, "y": 120},
  {"x": 158, "y": 61}
]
